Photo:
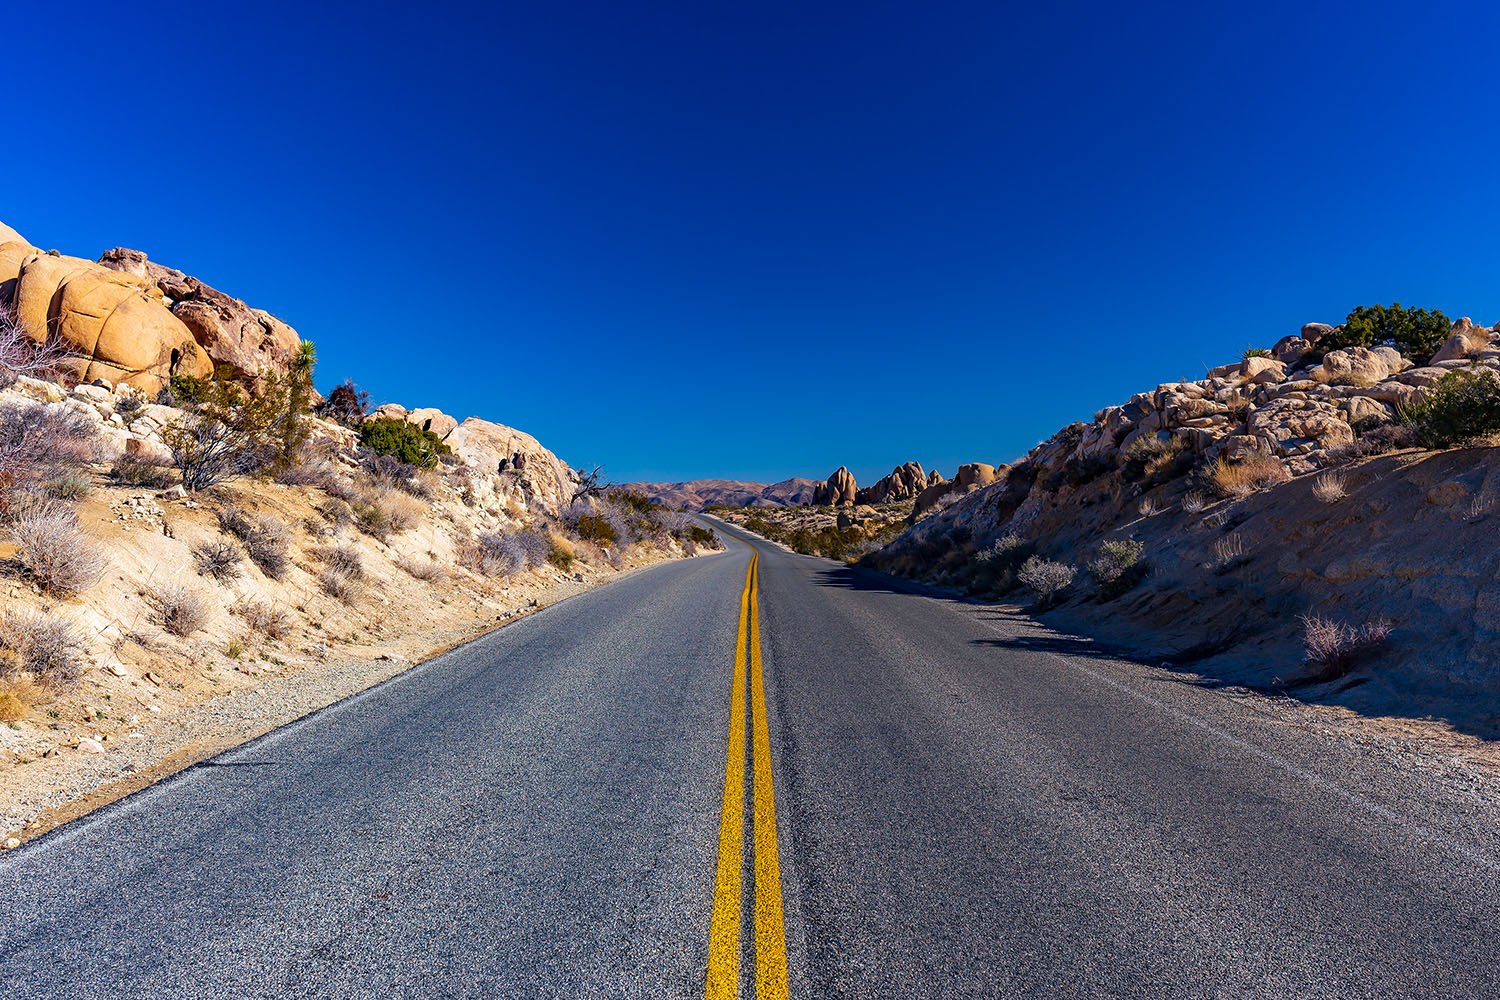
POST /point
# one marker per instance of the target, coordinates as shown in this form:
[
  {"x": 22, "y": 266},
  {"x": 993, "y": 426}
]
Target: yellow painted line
[
  {"x": 724, "y": 927},
  {"x": 770, "y": 930}
]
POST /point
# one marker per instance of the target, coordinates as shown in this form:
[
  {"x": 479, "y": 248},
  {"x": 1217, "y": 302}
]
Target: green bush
[
  {"x": 1462, "y": 406},
  {"x": 1256, "y": 352},
  {"x": 1416, "y": 333},
  {"x": 404, "y": 442},
  {"x": 592, "y": 528}
]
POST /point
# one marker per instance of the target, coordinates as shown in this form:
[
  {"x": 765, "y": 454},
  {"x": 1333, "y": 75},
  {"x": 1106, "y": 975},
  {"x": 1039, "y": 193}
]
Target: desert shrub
[
  {"x": 71, "y": 487},
  {"x": 344, "y": 559},
  {"x": 336, "y": 512},
  {"x": 1333, "y": 648},
  {"x": 20, "y": 354},
  {"x": 426, "y": 570},
  {"x": 132, "y": 471},
  {"x": 1253, "y": 472},
  {"x": 1256, "y": 352},
  {"x": 1115, "y": 559},
  {"x": 178, "y": 609},
  {"x": 316, "y": 472},
  {"x": 1228, "y": 552},
  {"x": 593, "y": 528},
  {"x": 223, "y": 432},
  {"x": 1194, "y": 502},
  {"x": 402, "y": 511},
  {"x": 403, "y": 441},
  {"x": 336, "y": 583},
  {"x": 1416, "y": 333},
  {"x": 1463, "y": 406},
  {"x": 1156, "y": 458},
  {"x": 55, "y": 552},
  {"x": 39, "y": 444},
  {"x": 266, "y": 540},
  {"x": 264, "y": 618},
  {"x": 372, "y": 519},
  {"x": 1330, "y": 487},
  {"x": 48, "y": 648},
  {"x": 347, "y": 404},
  {"x": 699, "y": 535},
  {"x": 1045, "y": 578},
  {"x": 221, "y": 560}
]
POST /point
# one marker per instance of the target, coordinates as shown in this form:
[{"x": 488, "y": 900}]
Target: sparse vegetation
[
  {"x": 223, "y": 432},
  {"x": 1253, "y": 472},
  {"x": 426, "y": 570},
  {"x": 1045, "y": 578},
  {"x": 1194, "y": 502},
  {"x": 339, "y": 584},
  {"x": 1464, "y": 406},
  {"x": 55, "y": 551},
  {"x": 347, "y": 404},
  {"x": 23, "y": 356},
  {"x": 1116, "y": 559},
  {"x": 1330, "y": 487},
  {"x": 48, "y": 648},
  {"x": 221, "y": 561},
  {"x": 39, "y": 445},
  {"x": 178, "y": 609},
  {"x": 1333, "y": 648},
  {"x": 344, "y": 559},
  {"x": 266, "y": 540},
  {"x": 1228, "y": 552},
  {"x": 1256, "y": 352},
  {"x": 132, "y": 471},
  {"x": 264, "y": 618}
]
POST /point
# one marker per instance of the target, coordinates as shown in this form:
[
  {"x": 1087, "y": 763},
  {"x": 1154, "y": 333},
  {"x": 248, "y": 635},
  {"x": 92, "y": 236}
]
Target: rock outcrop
[
  {"x": 903, "y": 483},
  {"x": 545, "y": 480},
  {"x": 839, "y": 490},
  {"x": 249, "y": 342},
  {"x": 116, "y": 324},
  {"x": 700, "y": 494}
]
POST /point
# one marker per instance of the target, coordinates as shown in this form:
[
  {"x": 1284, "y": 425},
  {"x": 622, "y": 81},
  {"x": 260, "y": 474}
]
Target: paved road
[{"x": 964, "y": 805}]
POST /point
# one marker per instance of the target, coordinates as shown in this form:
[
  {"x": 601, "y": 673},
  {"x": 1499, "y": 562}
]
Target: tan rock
[
  {"x": 9, "y": 235},
  {"x": 1364, "y": 364},
  {"x": 975, "y": 474},
  {"x": 839, "y": 490},
  {"x": 433, "y": 420},
  {"x": 119, "y": 331},
  {"x": 1464, "y": 339},
  {"x": 541, "y": 475},
  {"x": 903, "y": 483}
]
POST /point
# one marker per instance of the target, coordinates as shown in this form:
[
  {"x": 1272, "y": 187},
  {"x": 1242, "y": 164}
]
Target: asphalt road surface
[{"x": 890, "y": 794}]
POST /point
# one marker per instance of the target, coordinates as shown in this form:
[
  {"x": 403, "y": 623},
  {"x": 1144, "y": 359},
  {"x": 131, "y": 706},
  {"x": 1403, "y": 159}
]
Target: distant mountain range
[{"x": 703, "y": 493}]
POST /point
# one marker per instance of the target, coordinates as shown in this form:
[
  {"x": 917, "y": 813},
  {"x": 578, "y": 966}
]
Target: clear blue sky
[{"x": 759, "y": 240}]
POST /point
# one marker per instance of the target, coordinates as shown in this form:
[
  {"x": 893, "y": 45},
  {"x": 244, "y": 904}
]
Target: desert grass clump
[
  {"x": 1194, "y": 502},
  {"x": 133, "y": 471},
  {"x": 178, "y": 609},
  {"x": 55, "y": 552},
  {"x": 1330, "y": 487},
  {"x": 221, "y": 561},
  {"x": 264, "y": 618},
  {"x": 1333, "y": 648},
  {"x": 71, "y": 487},
  {"x": 1253, "y": 472},
  {"x": 1228, "y": 552},
  {"x": 336, "y": 583},
  {"x": 1045, "y": 578},
  {"x": 52, "y": 651},
  {"x": 344, "y": 559},
  {"x": 426, "y": 570},
  {"x": 266, "y": 540}
]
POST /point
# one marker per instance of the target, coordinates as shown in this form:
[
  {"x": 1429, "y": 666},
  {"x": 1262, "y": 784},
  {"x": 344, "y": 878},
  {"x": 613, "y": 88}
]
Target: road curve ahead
[{"x": 771, "y": 776}]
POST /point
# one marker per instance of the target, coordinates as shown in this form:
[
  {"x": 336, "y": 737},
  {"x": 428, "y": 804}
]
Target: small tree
[
  {"x": 1416, "y": 333},
  {"x": 224, "y": 433},
  {"x": 294, "y": 390}
]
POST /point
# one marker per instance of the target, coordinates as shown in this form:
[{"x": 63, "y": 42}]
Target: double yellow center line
[{"x": 724, "y": 944}]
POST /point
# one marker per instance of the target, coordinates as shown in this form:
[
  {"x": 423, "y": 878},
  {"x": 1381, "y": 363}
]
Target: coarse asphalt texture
[{"x": 968, "y": 806}]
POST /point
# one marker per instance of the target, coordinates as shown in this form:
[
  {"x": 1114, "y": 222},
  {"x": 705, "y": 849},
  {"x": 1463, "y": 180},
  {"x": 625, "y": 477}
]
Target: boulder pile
[{"x": 128, "y": 320}]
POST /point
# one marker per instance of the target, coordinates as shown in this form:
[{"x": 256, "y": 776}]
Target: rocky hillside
[
  {"x": 1223, "y": 522},
  {"x": 150, "y": 615},
  {"x": 701, "y": 494}
]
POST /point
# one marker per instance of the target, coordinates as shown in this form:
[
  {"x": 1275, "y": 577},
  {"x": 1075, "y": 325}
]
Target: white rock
[{"x": 90, "y": 745}]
